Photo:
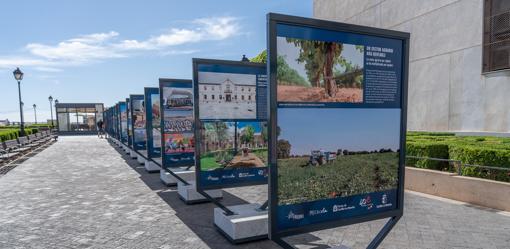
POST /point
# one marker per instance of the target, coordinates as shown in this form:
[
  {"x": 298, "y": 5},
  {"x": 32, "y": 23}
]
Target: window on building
[
  {"x": 205, "y": 96},
  {"x": 242, "y": 89},
  {"x": 235, "y": 97},
  {"x": 205, "y": 87},
  {"x": 221, "y": 97},
  {"x": 212, "y": 88},
  {"x": 212, "y": 96},
  {"x": 249, "y": 97},
  {"x": 242, "y": 97},
  {"x": 496, "y": 35}
]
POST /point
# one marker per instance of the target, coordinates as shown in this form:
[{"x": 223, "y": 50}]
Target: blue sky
[
  {"x": 102, "y": 51},
  {"x": 353, "y": 129}
]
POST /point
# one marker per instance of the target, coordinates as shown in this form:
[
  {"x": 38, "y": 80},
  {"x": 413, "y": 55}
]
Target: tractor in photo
[{"x": 321, "y": 157}]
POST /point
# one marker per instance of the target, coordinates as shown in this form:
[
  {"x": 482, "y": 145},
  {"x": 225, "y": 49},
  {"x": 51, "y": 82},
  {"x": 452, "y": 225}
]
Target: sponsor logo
[
  {"x": 213, "y": 178},
  {"x": 260, "y": 172},
  {"x": 243, "y": 175},
  {"x": 366, "y": 202},
  {"x": 228, "y": 176},
  {"x": 343, "y": 207},
  {"x": 293, "y": 216},
  {"x": 384, "y": 202},
  {"x": 317, "y": 212}
]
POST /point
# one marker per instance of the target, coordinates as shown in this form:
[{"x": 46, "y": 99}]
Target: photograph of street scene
[
  {"x": 139, "y": 114},
  {"x": 178, "y": 98},
  {"x": 319, "y": 71},
  {"x": 179, "y": 143},
  {"x": 226, "y": 145},
  {"x": 227, "y": 95},
  {"x": 328, "y": 153}
]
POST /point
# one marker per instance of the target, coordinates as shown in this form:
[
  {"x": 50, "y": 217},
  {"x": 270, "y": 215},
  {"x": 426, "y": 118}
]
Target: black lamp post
[
  {"x": 56, "y": 111},
  {"x": 35, "y": 113},
  {"x": 18, "y": 75},
  {"x": 51, "y": 109}
]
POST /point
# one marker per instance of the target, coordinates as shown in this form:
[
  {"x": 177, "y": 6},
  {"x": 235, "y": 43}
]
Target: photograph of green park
[
  {"x": 319, "y": 71},
  {"x": 226, "y": 145},
  {"x": 329, "y": 153}
]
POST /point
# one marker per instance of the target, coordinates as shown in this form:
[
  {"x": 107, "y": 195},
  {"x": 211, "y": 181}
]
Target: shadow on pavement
[{"x": 200, "y": 217}]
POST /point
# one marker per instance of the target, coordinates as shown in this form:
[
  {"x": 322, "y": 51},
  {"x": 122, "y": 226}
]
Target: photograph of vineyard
[
  {"x": 319, "y": 71},
  {"x": 227, "y": 145},
  {"x": 328, "y": 153}
]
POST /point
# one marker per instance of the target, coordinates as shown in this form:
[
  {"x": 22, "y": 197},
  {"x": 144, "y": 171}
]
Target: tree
[
  {"x": 283, "y": 149},
  {"x": 319, "y": 58},
  {"x": 247, "y": 136},
  {"x": 260, "y": 58}
]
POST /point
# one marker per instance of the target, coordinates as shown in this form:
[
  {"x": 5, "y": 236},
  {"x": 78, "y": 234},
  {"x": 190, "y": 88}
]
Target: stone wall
[{"x": 447, "y": 90}]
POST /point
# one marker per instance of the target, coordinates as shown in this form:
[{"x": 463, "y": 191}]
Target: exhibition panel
[
  {"x": 153, "y": 122},
  {"x": 138, "y": 122}
]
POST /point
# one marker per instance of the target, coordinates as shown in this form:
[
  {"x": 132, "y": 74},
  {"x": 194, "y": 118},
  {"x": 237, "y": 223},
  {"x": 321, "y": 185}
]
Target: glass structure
[{"x": 78, "y": 117}]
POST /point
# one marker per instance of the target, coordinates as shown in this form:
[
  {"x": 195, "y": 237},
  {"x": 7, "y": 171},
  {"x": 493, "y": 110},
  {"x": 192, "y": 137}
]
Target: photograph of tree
[
  {"x": 179, "y": 143},
  {"x": 328, "y": 153},
  {"x": 319, "y": 71},
  {"x": 227, "y": 145}
]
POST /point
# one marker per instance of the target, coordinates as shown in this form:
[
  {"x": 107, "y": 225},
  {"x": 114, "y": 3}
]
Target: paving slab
[{"x": 82, "y": 192}]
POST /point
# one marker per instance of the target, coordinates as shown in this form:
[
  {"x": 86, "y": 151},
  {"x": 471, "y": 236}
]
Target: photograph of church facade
[{"x": 227, "y": 95}]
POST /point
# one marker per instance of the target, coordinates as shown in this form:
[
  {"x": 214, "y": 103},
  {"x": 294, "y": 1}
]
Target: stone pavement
[{"x": 83, "y": 192}]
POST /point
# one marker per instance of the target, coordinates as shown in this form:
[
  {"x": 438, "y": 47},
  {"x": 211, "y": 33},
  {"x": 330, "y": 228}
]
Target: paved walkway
[{"x": 83, "y": 193}]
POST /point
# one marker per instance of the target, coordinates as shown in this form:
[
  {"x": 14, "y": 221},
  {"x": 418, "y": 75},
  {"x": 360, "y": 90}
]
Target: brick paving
[{"x": 82, "y": 192}]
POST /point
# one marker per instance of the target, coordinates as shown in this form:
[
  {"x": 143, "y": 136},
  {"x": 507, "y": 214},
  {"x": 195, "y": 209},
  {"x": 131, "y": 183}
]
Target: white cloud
[{"x": 98, "y": 47}]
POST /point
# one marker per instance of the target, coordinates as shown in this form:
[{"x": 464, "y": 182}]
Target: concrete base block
[
  {"x": 141, "y": 160},
  {"x": 151, "y": 167},
  {"x": 133, "y": 154},
  {"x": 187, "y": 175},
  {"x": 166, "y": 178},
  {"x": 247, "y": 224},
  {"x": 189, "y": 194}
]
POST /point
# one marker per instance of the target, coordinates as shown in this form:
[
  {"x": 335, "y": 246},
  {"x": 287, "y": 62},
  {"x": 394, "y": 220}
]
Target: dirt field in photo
[{"x": 288, "y": 93}]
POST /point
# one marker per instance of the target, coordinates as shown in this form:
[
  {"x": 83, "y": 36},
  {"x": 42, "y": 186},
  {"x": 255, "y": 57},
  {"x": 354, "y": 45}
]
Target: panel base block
[
  {"x": 141, "y": 160},
  {"x": 151, "y": 167},
  {"x": 170, "y": 180},
  {"x": 133, "y": 154},
  {"x": 189, "y": 194},
  {"x": 249, "y": 223}
]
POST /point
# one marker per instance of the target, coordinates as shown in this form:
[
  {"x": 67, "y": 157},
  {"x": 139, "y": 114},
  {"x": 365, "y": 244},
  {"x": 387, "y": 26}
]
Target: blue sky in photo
[
  {"x": 354, "y": 129},
  {"x": 102, "y": 51}
]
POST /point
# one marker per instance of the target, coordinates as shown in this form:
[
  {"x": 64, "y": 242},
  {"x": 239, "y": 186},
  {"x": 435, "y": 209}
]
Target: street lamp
[
  {"x": 51, "y": 109},
  {"x": 35, "y": 113},
  {"x": 56, "y": 111},
  {"x": 18, "y": 75}
]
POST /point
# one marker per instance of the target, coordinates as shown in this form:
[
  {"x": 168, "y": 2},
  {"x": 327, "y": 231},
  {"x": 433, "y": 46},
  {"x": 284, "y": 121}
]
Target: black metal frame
[
  {"x": 198, "y": 123},
  {"x": 395, "y": 214}
]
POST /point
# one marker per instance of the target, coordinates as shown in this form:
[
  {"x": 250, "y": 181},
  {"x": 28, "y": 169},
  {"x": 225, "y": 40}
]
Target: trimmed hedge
[
  {"x": 9, "y": 134},
  {"x": 477, "y": 150}
]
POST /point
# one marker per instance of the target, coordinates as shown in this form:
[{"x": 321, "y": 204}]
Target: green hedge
[
  {"x": 477, "y": 150},
  {"x": 9, "y": 134},
  {"x": 433, "y": 150}
]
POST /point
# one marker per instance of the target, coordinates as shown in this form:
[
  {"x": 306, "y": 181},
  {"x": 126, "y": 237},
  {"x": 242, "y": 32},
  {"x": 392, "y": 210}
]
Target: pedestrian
[{"x": 100, "y": 128}]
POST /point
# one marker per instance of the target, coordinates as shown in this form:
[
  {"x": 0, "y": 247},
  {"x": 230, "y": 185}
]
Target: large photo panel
[
  {"x": 138, "y": 121},
  {"x": 123, "y": 116},
  {"x": 153, "y": 122},
  {"x": 338, "y": 124},
  {"x": 231, "y": 110},
  {"x": 177, "y": 123}
]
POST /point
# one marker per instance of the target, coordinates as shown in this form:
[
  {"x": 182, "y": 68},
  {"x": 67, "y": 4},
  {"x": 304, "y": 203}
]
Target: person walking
[{"x": 100, "y": 129}]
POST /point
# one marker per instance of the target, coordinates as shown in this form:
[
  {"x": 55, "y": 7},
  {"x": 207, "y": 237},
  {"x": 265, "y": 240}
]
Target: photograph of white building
[{"x": 227, "y": 95}]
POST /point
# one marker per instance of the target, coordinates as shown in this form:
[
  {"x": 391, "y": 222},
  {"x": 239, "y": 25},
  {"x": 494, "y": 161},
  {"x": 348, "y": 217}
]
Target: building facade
[
  {"x": 459, "y": 72},
  {"x": 227, "y": 91}
]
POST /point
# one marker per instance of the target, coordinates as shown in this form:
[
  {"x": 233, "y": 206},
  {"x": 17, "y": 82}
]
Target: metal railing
[{"x": 458, "y": 166}]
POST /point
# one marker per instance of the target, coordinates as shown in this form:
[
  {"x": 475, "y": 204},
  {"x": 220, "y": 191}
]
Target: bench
[
  {"x": 10, "y": 148},
  {"x": 25, "y": 144}
]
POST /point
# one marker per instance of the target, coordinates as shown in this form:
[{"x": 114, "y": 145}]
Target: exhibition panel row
[{"x": 322, "y": 123}]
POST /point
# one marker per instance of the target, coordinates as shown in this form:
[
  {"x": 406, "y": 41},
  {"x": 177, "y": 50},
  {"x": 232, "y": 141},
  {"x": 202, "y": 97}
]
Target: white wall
[{"x": 447, "y": 91}]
